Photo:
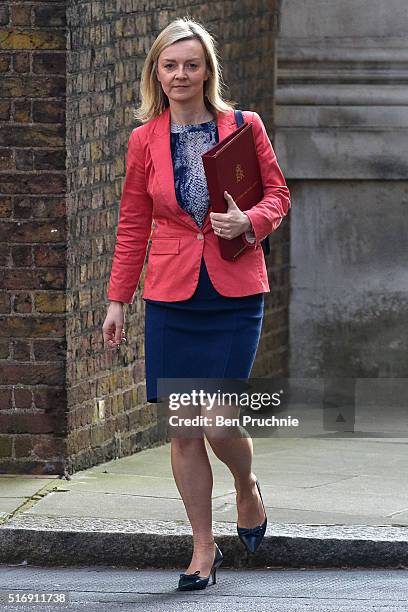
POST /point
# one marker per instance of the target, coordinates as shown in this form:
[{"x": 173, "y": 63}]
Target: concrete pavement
[
  {"x": 331, "y": 501},
  {"x": 103, "y": 589}
]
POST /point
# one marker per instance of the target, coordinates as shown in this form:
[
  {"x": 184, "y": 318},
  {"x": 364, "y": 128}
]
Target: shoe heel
[
  {"x": 260, "y": 495},
  {"x": 190, "y": 582},
  {"x": 252, "y": 537}
]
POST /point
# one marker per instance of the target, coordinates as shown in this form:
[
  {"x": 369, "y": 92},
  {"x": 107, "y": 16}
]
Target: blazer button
[{"x": 200, "y": 236}]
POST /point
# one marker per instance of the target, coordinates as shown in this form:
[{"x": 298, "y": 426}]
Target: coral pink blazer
[{"x": 177, "y": 242}]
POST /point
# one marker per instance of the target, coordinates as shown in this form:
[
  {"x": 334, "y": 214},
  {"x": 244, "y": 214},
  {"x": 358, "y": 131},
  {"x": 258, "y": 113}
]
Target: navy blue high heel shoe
[
  {"x": 191, "y": 582},
  {"x": 253, "y": 536}
]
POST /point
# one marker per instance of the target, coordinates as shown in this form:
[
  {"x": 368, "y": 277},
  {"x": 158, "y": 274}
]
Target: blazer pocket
[{"x": 165, "y": 246}]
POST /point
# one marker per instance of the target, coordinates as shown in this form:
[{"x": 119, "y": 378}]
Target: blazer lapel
[{"x": 160, "y": 150}]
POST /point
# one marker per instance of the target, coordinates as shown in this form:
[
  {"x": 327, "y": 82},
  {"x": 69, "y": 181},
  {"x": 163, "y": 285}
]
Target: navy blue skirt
[{"x": 207, "y": 336}]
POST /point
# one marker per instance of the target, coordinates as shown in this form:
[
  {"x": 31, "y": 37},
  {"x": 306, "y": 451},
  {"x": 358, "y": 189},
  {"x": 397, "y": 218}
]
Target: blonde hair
[{"x": 153, "y": 99}]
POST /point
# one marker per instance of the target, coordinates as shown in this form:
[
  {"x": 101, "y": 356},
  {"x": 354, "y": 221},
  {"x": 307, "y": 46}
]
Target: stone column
[{"x": 341, "y": 135}]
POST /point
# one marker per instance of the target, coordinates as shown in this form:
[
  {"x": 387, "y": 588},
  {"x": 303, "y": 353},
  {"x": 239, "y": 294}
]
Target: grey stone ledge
[
  {"x": 163, "y": 544},
  {"x": 383, "y": 533},
  {"x": 363, "y": 43},
  {"x": 287, "y": 51},
  {"x": 334, "y": 75},
  {"x": 347, "y": 117},
  {"x": 342, "y": 94}
]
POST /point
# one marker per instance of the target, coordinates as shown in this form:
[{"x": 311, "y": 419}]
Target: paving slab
[{"x": 332, "y": 500}]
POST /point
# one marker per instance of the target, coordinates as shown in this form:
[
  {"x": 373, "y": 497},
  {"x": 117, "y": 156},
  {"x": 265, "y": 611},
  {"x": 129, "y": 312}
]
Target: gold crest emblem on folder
[{"x": 239, "y": 173}]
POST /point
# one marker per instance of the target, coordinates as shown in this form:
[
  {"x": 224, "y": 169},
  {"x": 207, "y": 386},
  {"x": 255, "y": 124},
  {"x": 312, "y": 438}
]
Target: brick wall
[
  {"x": 32, "y": 236},
  {"x": 273, "y": 351},
  {"x": 56, "y": 342}
]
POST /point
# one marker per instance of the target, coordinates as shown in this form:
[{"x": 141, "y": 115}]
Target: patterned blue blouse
[{"x": 188, "y": 142}]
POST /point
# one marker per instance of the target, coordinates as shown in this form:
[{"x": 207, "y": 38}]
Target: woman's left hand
[{"x": 231, "y": 224}]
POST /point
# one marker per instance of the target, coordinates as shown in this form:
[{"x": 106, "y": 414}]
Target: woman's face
[{"x": 182, "y": 71}]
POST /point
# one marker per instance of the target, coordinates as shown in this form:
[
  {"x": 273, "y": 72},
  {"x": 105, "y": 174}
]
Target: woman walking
[{"x": 203, "y": 314}]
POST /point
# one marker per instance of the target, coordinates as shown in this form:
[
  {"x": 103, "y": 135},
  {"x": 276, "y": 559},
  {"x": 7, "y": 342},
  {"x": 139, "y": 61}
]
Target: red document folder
[{"x": 232, "y": 165}]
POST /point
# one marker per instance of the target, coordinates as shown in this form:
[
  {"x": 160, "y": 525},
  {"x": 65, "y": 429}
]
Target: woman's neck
[{"x": 186, "y": 116}]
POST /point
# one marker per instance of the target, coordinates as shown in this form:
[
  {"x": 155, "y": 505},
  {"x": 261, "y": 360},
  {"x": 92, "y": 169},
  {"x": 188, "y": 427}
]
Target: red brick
[
  {"x": 21, "y": 350},
  {"x": 4, "y": 348},
  {"x": 35, "y": 39},
  {"x": 46, "y": 207},
  {"x": 22, "y": 109},
  {"x": 50, "y": 255},
  {"x": 23, "y": 445},
  {"x": 5, "y": 206},
  {"x": 24, "y": 136},
  {"x": 49, "y": 63},
  {"x": 23, "y": 398},
  {"x": 51, "y": 350},
  {"x": 21, "y": 62},
  {"x": 49, "y": 399},
  {"x": 5, "y": 110},
  {"x": 20, "y": 14},
  {"x": 32, "y": 279},
  {"x": 35, "y": 326},
  {"x": 42, "y": 446},
  {"x": 6, "y": 159},
  {"x": 5, "y": 62},
  {"x": 6, "y": 446},
  {"x": 33, "y": 183},
  {"x": 31, "y": 373},
  {"x": 24, "y": 158},
  {"x": 48, "y": 447},
  {"x": 48, "y": 111},
  {"x": 4, "y": 14},
  {"x": 22, "y": 303},
  {"x": 5, "y": 303},
  {"x": 22, "y": 255},
  {"x": 50, "y": 16},
  {"x": 5, "y": 255},
  {"x": 5, "y": 399},
  {"x": 49, "y": 302},
  {"x": 33, "y": 231},
  {"x": 49, "y": 160},
  {"x": 26, "y": 422}
]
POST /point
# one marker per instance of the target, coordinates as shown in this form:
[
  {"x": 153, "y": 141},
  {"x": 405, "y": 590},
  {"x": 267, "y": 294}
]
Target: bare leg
[
  {"x": 194, "y": 479},
  {"x": 236, "y": 451}
]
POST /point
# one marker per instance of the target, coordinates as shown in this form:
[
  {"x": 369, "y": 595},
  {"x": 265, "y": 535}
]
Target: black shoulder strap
[{"x": 239, "y": 118}]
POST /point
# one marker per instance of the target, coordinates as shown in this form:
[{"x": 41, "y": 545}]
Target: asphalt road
[{"x": 108, "y": 588}]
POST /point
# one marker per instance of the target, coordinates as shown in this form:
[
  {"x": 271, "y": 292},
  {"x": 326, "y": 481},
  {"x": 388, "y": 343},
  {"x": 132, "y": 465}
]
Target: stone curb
[{"x": 53, "y": 541}]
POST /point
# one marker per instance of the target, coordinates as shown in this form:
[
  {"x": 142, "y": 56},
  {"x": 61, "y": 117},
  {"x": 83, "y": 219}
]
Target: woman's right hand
[{"x": 112, "y": 329}]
